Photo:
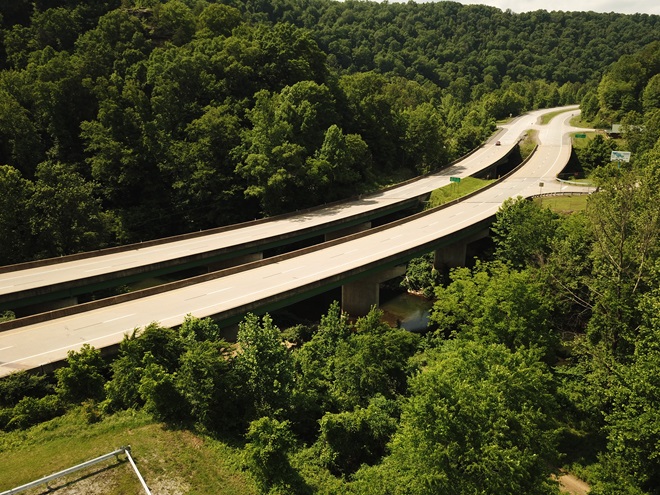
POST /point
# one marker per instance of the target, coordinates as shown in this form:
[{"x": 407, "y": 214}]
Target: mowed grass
[
  {"x": 545, "y": 118},
  {"x": 563, "y": 204},
  {"x": 171, "y": 461},
  {"x": 455, "y": 190}
]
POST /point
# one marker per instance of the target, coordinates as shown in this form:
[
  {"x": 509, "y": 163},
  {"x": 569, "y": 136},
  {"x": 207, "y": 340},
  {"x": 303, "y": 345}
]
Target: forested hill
[
  {"x": 127, "y": 120},
  {"x": 458, "y": 46}
]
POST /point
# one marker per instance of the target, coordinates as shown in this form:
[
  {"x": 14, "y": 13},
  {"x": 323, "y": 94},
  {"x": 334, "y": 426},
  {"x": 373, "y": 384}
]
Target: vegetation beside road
[{"x": 121, "y": 122}]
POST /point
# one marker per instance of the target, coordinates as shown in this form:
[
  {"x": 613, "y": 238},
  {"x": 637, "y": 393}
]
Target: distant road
[
  {"x": 63, "y": 274},
  {"x": 39, "y": 344}
]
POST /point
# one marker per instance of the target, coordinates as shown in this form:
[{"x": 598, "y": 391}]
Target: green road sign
[
  {"x": 454, "y": 179},
  {"x": 580, "y": 135}
]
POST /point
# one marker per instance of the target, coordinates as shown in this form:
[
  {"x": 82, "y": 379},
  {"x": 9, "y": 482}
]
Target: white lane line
[
  {"x": 220, "y": 290},
  {"x": 294, "y": 269},
  {"x": 5, "y": 348},
  {"x": 77, "y": 344},
  {"x": 118, "y": 318}
]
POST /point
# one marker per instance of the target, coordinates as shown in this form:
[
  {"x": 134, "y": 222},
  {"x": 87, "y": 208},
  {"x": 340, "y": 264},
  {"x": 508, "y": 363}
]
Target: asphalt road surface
[
  {"x": 102, "y": 265},
  {"x": 34, "y": 345}
]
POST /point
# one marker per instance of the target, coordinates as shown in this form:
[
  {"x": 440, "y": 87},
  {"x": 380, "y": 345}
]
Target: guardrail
[{"x": 46, "y": 479}]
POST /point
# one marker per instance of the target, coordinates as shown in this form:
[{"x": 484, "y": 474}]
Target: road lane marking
[
  {"x": 67, "y": 347},
  {"x": 217, "y": 291},
  {"x": 5, "y": 348},
  {"x": 118, "y": 318}
]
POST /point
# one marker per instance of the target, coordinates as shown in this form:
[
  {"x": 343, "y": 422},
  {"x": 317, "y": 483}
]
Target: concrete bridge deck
[
  {"x": 267, "y": 284},
  {"x": 36, "y": 282}
]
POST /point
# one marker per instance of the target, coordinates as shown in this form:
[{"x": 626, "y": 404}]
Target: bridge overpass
[
  {"x": 69, "y": 276},
  {"x": 264, "y": 285}
]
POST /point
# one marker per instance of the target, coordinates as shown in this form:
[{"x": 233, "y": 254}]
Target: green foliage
[
  {"x": 83, "y": 376},
  {"x": 203, "y": 380},
  {"x": 14, "y": 194},
  {"x": 19, "y": 384},
  {"x": 494, "y": 303},
  {"x": 160, "y": 394},
  {"x": 421, "y": 276},
  {"x": 164, "y": 348},
  {"x": 627, "y": 242},
  {"x": 352, "y": 438},
  {"x": 269, "y": 442},
  {"x": 31, "y": 411},
  {"x": 633, "y": 424},
  {"x": 478, "y": 420},
  {"x": 596, "y": 154},
  {"x": 522, "y": 232},
  {"x": 372, "y": 361},
  {"x": 264, "y": 367}
]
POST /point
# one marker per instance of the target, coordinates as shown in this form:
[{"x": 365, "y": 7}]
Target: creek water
[
  {"x": 401, "y": 309},
  {"x": 407, "y": 311}
]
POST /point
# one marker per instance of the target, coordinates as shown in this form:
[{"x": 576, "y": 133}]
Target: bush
[
  {"x": 30, "y": 411},
  {"x": 20, "y": 384},
  {"x": 83, "y": 377}
]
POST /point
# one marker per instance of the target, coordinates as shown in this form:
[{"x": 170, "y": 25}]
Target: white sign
[{"x": 620, "y": 156}]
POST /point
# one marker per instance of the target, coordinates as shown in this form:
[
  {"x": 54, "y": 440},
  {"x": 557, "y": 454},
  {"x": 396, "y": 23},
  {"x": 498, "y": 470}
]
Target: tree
[
  {"x": 269, "y": 441},
  {"x": 350, "y": 439},
  {"x": 478, "y": 420},
  {"x": 340, "y": 167},
  {"x": 596, "y": 154},
  {"x": 495, "y": 304},
  {"x": 263, "y": 367},
  {"x": 15, "y": 192},
  {"x": 174, "y": 21},
  {"x": 373, "y": 360},
  {"x": 164, "y": 347},
  {"x": 421, "y": 276},
  {"x": 64, "y": 214},
  {"x": 161, "y": 397},
  {"x": 522, "y": 232},
  {"x": 626, "y": 244},
  {"x": 219, "y": 19},
  {"x": 203, "y": 379},
  {"x": 83, "y": 377},
  {"x": 633, "y": 423},
  {"x": 425, "y": 138}
]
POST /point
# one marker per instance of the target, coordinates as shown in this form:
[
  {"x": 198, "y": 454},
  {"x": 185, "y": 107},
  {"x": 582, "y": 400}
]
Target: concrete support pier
[
  {"x": 357, "y": 298},
  {"x": 453, "y": 256}
]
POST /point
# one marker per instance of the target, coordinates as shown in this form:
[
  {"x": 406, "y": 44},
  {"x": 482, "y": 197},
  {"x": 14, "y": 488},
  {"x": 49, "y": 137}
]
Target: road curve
[
  {"x": 39, "y": 344},
  {"x": 40, "y": 278}
]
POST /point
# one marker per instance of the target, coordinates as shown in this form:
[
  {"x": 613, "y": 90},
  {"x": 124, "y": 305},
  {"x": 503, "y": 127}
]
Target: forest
[{"x": 123, "y": 121}]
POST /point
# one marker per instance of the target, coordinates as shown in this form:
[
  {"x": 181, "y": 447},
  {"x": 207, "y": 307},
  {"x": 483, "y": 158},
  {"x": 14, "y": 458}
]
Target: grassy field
[
  {"x": 455, "y": 190},
  {"x": 549, "y": 116},
  {"x": 171, "y": 461},
  {"x": 563, "y": 204}
]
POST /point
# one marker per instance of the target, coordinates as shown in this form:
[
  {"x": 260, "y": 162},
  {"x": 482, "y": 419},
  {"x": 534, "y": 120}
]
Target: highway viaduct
[
  {"x": 53, "y": 283},
  {"x": 267, "y": 284}
]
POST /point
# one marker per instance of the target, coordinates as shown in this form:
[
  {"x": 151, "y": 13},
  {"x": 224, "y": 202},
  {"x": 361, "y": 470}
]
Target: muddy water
[{"x": 407, "y": 311}]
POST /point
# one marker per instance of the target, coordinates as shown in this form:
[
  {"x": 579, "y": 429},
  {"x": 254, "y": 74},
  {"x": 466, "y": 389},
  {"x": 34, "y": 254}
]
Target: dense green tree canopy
[{"x": 162, "y": 107}]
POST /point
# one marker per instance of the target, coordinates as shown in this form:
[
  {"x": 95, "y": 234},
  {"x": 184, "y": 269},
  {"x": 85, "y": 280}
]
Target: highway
[
  {"x": 38, "y": 344},
  {"x": 61, "y": 274}
]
